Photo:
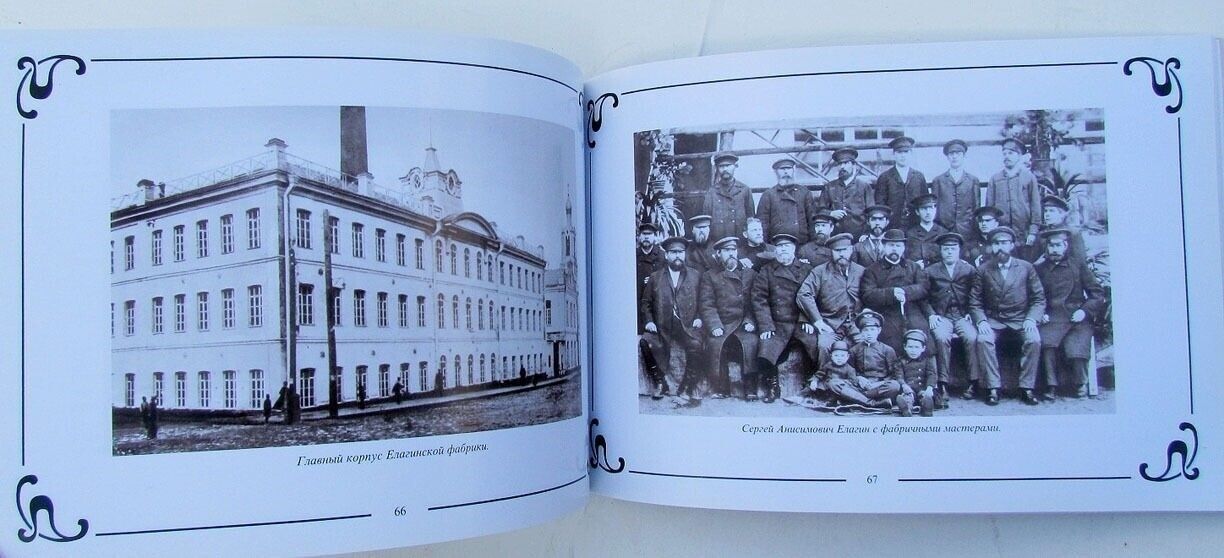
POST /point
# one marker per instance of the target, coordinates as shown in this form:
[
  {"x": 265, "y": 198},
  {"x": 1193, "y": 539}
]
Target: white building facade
[{"x": 561, "y": 302}]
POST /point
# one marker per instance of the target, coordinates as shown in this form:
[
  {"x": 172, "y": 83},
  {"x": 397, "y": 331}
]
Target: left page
[{"x": 279, "y": 293}]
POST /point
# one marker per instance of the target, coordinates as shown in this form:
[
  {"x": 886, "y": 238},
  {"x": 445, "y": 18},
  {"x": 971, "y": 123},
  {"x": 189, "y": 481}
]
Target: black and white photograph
[
  {"x": 286, "y": 276},
  {"x": 914, "y": 265}
]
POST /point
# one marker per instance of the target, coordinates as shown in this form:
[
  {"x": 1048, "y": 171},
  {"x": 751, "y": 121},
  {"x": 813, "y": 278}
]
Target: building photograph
[{"x": 268, "y": 290}]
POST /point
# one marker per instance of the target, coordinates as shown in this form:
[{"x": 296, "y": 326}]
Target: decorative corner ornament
[
  {"x": 594, "y": 110},
  {"x": 35, "y": 505},
  {"x": 30, "y": 85},
  {"x": 1181, "y": 448},
  {"x": 599, "y": 451},
  {"x": 1165, "y": 87}
]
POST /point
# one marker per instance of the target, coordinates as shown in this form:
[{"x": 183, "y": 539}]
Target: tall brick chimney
[{"x": 354, "y": 159}]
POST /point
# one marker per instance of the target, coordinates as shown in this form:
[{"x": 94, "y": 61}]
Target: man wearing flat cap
[
  {"x": 849, "y": 195},
  {"x": 977, "y": 247},
  {"x": 1054, "y": 212},
  {"x": 900, "y": 184},
  {"x": 1014, "y": 190},
  {"x": 1006, "y": 303},
  {"x": 779, "y": 321},
  {"x": 700, "y": 256},
  {"x": 870, "y": 246},
  {"x": 829, "y": 296},
  {"x": 894, "y": 286},
  {"x": 649, "y": 259},
  {"x": 949, "y": 282},
  {"x": 673, "y": 327},
  {"x": 728, "y": 202},
  {"x": 920, "y": 237},
  {"x": 1074, "y": 299},
  {"x": 783, "y": 209},
  {"x": 956, "y": 191},
  {"x": 815, "y": 252},
  {"x": 723, "y": 303}
]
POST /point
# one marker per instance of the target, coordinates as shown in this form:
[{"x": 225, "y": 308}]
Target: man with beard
[
  {"x": 1074, "y": 299},
  {"x": 1006, "y": 302},
  {"x": 956, "y": 191},
  {"x": 949, "y": 282},
  {"x": 728, "y": 202},
  {"x": 900, "y": 184},
  {"x": 920, "y": 237},
  {"x": 1054, "y": 217},
  {"x": 829, "y": 296},
  {"x": 783, "y": 209},
  {"x": 778, "y": 318},
  {"x": 849, "y": 195},
  {"x": 700, "y": 257},
  {"x": 756, "y": 252},
  {"x": 815, "y": 252},
  {"x": 977, "y": 246},
  {"x": 870, "y": 246},
  {"x": 894, "y": 287},
  {"x": 649, "y": 260},
  {"x": 673, "y": 328},
  {"x": 1014, "y": 190},
  {"x": 722, "y": 304}
]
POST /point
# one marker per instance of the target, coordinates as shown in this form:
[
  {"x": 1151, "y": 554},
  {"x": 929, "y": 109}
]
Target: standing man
[
  {"x": 784, "y": 207},
  {"x": 949, "y": 283},
  {"x": 956, "y": 191},
  {"x": 894, "y": 286},
  {"x": 1006, "y": 302},
  {"x": 1014, "y": 190},
  {"x": 777, "y": 316},
  {"x": 669, "y": 309},
  {"x": 728, "y": 202},
  {"x": 649, "y": 260},
  {"x": 700, "y": 256},
  {"x": 815, "y": 252},
  {"x": 977, "y": 245},
  {"x": 849, "y": 195},
  {"x": 267, "y": 408},
  {"x": 870, "y": 246},
  {"x": 829, "y": 296},
  {"x": 920, "y": 244},
  {"x": 900, "y": 184},
  {"x": 1074, "y": 299},
  {"x": 723, "y": 305}
]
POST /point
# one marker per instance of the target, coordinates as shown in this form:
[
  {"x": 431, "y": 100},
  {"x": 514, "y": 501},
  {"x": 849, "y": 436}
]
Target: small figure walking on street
[{"x": 267, "y": 408}]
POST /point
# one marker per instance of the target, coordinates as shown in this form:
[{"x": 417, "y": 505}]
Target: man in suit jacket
[
  {"x": 783, "y": 209},
  {"x": 1014, "y": 190},
  {"x": 848, "y": 196},
  {"x": 1054, "y": 216},
  {"x": 673, "y": 328},
  {"x": 870, "y": 247},
  {"x": 900, "y": 184},
  {"x": 700, "y": 254},
  {"x": 920, "y": 245},
  {"x": 1006, "y": 302},
  {"x": 946, "y": 305},
  {"x": 894, "y": 286},
  {"x": 728, "y": 202},
  {"x": 723, "y": 304},
  {"x": 977, "y": 248},
  {"x": 815, "y": 252},
  {"x": 778, "y": 320},
  {"x": 956, "y": 191},
  {"x": 1074, "y": 299},
  {"x": 829, "y": 296}
]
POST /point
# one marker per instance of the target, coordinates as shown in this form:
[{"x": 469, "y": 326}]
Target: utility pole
[{"x": 333, "y": 383}]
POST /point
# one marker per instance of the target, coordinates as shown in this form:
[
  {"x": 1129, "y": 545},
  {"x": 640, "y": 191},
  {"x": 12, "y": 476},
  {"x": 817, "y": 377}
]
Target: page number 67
[{"x": 873, "y": 479}]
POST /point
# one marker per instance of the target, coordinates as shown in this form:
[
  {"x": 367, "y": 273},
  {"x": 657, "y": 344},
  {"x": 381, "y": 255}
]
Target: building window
[
  {"x": 455, "y": 311},
  {"x": 112, "y": 254},
  {"x": 491, "y": 326},
  {"x": 358, "y": 240},
  {"x": 420, "y": 253},
  {"x": 482, "y": 368},
  {"x": 129, "y": 390},
  {"x": 202, "y": 311},
  {"x": 471, "y": 371},
  {"x": 305, "y": 304},
  {"x": 179, "y": 249},
  {"x": 454, "y": 260},
  {"x": 501, "y": 272},
  {"x": 548, "y": 312},
  {"x": 333, "y": 240},
  {"x": 480, "y": 314},
  {"x": 338, "y": 379},
  {"x": 505, "y": 369},
  {"x": 231, "y": 389},
  {"x": 458, "y": 370},
  {"x": 205, "y": 388},
  {"x": 252, "y": 228},
  {"x": 158, "y": 322},
  {"x": 479, "y": 266},
  {"x": 180, "y": 313},
  {"x": 489, "y": 267},
  {"x": 257, "y": 389},
  {"x": 438, "y": 255},
  {"x": 159, "y": 388},
  {"x": 401, "y": 250},
  {"x": 129, "y": 253},
  {"x": 384, "y": 380},
  {"x": 405, "y": 368},
  {"x": 180, "y": 389},
  {"x": 227, "y": 234},
  {"x": 403, "y": 310},
  {"x": 441, "y": 311},
  {"x": 156, "y": 247},
  {"x": 467, "y": 262},
  {"x": 334, "y": 300},
  {"x": 424, "y": 375},
  {"x": 382, "y": 309},
  {"x": 227, "y": 308},
  {"x": 503, "y": 318},
  {"x": 380, "y": 245},
  {"x": 255, "y": 305},
  {"x": 361, "y": 380},
  {"x": 303, "y": 229},
  {"x": 441, "y": 384},
  {"x": 359, "y": 316},
  {"x": 307, "y": 392},
  {"x": 202, "y": 239},
  {"x": 467, "y": 312},
  {"x": 129, "y": 317},
  {"x": 420, "y": 311}
]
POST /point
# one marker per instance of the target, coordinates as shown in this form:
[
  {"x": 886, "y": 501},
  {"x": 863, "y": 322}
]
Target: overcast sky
[{"x": 515, "y": 171}]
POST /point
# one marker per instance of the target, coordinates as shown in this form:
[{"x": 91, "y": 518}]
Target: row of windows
[
  {"x": 473, "y": 318},
  {"x": 202, "y": 314},
  {"x": 252, "y": 397},
  {"x": 178, "y": 241}
]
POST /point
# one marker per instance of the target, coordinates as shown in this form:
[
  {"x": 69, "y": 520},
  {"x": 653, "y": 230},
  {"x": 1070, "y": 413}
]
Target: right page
[{"x": 979, "y": 277}]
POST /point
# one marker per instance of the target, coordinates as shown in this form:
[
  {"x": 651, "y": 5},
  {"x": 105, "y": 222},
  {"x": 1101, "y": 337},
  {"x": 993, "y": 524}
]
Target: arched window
[
  {"x": 458, "y": 370},
  {"x": 480, "y": 314},
  {"x": 493, "y": 365},
  {"x": 438, "y": 255},
  {"x": 491, "y": 326},
  {"x": 442, "y": 371},
  {"x": 479, "y": 266},
  {"x": 471, "y": 371},
  {"x": 455, "y": 311},
  {"x": 441, "y": 311},
  {"x": 467, "y": 262},
  {"x": 489, "y": 268},
  {"x": 468, "y": 313},
  {"x": 482, "y": 368},
  {"x": 454, "y": 259}
]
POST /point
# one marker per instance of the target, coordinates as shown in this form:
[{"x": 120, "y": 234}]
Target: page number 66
[{"x": 400, "y": 511}]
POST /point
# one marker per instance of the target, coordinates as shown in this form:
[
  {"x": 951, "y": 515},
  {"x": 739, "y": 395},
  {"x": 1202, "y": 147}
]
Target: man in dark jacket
[
  {"x": 947, "y": 308},
  {"x": 649, "y": 260},
  {"x": 1074, "y": 299},
  {"x": 1006, "y": 302},
  {"x": 723, "y": 304},
  {"x": 920, "y": 246},
  {"x": 1014, "y": 190},
  {"x": 673, "y": 328},
  {"x": 815, "y": 252},
  {"x": 894, "y": 286},
  {"x": 829, "y": 296},
  {"x": 956, "y": 191},
  {"x": 1054, "y": 216},
  {"x": 728, "y": 202},
  {"x": 783, "y": 209},
  {"x": 849, "y": 195},
  {"x": 700, "y": 255},
  {"x": 778, "y": 320},
  {"x": 870, "y": 246},
  {"x": 900, "y": 184},
  {"x": 977, "y": 247}
]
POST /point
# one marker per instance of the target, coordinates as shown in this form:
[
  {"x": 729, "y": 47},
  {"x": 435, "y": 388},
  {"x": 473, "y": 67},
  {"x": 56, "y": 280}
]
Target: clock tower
[{"x": 440, "y": 193}]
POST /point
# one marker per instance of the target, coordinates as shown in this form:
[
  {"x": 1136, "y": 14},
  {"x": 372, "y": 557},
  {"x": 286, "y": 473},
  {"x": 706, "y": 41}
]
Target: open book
[{"x": 376, "y": 291}]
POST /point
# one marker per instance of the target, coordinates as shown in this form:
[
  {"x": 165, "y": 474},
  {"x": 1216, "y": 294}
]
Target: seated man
[
  {"x": 722, "y": 301},
  {"x": 1073, "y": 299}
]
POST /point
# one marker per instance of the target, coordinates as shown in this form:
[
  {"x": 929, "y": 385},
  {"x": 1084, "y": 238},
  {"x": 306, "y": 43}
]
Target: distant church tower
[
  {"x": 440, "y": 192},
  {"x": 570, "y": 240}
]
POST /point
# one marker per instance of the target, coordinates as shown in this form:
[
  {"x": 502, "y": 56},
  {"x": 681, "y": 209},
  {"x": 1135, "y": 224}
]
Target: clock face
[
  {"x": 452, "y": 184},
  {"x": 414, "y": 179}
]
